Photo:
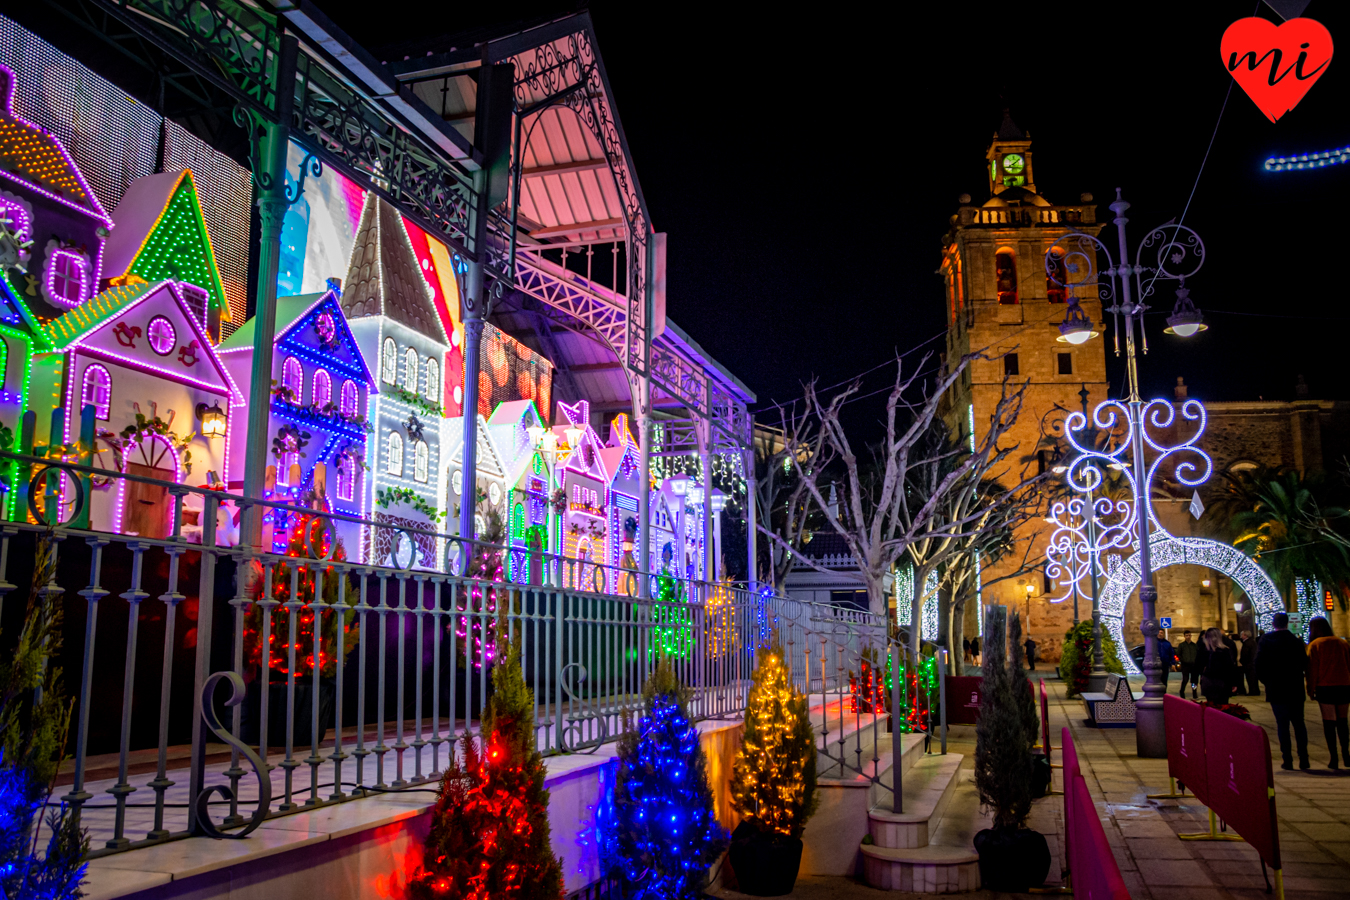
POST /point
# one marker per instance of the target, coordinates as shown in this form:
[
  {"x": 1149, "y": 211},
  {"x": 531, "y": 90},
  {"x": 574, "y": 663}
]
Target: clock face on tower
[{"x": 1013, "y": 167}]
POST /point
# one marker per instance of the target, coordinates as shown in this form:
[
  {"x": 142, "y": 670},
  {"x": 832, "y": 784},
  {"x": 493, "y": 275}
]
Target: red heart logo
[{"x": 1276, "y": 64}]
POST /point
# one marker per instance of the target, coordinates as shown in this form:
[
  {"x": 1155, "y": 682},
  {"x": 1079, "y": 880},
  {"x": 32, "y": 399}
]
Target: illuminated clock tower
[{"x": 1000, "y": 300}]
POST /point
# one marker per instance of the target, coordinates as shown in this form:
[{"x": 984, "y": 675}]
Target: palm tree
[{"x": 1286, "y": 529}]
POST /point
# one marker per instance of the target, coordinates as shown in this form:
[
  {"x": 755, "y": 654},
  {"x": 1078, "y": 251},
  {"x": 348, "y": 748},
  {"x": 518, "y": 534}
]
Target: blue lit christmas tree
[{"x": 661, "y": 835}]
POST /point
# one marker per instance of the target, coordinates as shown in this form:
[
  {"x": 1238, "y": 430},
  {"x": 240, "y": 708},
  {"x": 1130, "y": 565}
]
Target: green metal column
[{"x": 270, "y": 184}]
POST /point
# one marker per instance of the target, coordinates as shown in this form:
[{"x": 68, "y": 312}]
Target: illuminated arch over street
[{"x": 1167, "y": 550}]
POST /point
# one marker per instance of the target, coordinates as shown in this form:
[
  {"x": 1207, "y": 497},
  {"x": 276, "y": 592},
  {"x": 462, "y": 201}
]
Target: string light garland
[{"x": 1319, "y": 160}]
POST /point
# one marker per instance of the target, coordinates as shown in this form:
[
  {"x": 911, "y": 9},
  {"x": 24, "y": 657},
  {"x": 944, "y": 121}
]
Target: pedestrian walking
[
  {"x": 1167, "y": 657},
  {"x": 1187, "y": 655},
  {"x": 975, "y": 649},
  {"x": 1235, "y": 675},
  {"x": 965, "y": 650},
  {"x": 1216, "y": 680},
  {"x": 1247, "y": 659},
  {"x": 1281, "y": 663},
  {"x": 1030, "y": 647},
  {"x": 1329, "y": 685}
]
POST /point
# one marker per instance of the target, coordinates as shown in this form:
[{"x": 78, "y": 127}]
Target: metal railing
[{"x": 347, "y": 678}]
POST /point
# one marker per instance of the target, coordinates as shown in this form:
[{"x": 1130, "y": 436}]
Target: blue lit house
[{"x": 321, "y": 394}]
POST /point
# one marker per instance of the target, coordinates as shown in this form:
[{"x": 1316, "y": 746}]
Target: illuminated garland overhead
[{"x": 1308, "y": 160}]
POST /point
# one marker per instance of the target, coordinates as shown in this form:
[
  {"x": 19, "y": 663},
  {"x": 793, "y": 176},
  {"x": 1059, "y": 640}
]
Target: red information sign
[
  {"x": 1186, "y": 745},
  {"x": 963, "y": 699},
  {"x": 1241, "y": 782}
]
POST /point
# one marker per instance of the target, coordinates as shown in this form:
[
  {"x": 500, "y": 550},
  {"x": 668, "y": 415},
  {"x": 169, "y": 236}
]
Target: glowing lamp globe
[
  {"x": 1077, "y": 326},
  {"x": 536, "y": 433},
  {"x": 1185, "y": 319}
]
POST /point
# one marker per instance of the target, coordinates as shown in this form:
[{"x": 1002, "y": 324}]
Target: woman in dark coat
[{"x": 1217, "y": 677}]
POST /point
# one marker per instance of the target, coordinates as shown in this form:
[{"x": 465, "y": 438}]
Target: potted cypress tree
[
  {"x": 1012, "y": 857},
  {"x": 489, "y": 832},
  {"x": 1026, "y": 707},
  {"x": 773, "y": 781},
  {"x": 660, "y": 835}
]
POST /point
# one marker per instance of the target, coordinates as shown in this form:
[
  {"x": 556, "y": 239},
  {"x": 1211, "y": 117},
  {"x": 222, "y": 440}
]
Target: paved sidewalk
[{"x": 1313, "y": 810}]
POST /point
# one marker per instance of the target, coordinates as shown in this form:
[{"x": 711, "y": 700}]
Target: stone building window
[
  {"x": 1065, "y": 361},
  {"x": 1010, "y": 365},
  {"x": 1005, "y": 274}
]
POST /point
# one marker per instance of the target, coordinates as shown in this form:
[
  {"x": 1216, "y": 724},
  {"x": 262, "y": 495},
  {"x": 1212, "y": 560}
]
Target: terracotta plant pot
[
  {"x": 1012, "y": 859},
  {"x": 766, "y": 865}
]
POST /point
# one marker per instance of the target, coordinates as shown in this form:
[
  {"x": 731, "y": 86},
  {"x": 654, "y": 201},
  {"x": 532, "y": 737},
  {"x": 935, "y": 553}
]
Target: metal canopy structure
[
  {"x": 405, "y": 130},
  {"x": 579, "y": 216}
]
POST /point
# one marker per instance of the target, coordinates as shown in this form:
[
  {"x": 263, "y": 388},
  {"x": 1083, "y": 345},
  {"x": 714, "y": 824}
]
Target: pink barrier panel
[
  {"x": 1186, "y": 745},
  {"x": 1070, "y": 773},
  {"x": 1241, "y": 781},
  {"x": 1092, "y": 866},
  {"x": 963, "y": 699}
]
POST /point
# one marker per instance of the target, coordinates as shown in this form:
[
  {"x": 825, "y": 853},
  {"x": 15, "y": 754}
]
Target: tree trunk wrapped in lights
[
  {"x": 476, "y": 626},
  {"x": 660, "y": 836},
  {"x": 489, "y": 836},
  {"x": 773, "y": 781}
]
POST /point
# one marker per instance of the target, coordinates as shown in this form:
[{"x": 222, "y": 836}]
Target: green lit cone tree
[
  {"x": 773, "y": 780},
  {"x": 1012, "y": 858},
  {"x": 660, "y": 834},
  {"x": 489, "y": 836}
]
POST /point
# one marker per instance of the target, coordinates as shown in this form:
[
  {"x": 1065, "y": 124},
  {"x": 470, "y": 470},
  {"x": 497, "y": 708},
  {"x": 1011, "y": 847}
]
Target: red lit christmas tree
[
  {"x": 489, "y": 835},
  {"x": 308, "y": 544}
]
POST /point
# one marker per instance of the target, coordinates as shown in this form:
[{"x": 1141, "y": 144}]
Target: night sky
[{"x": 805, "y": 163}]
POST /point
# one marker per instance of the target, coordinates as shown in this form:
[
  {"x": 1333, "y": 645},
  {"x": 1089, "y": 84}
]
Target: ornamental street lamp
[{"x": 1174, "y": 252}]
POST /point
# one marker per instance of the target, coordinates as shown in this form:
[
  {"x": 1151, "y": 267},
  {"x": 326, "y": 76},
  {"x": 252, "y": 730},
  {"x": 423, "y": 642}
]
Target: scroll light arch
[
  {"x": 1165, "y": 548},
  {"x": 1169, "y": 550}
]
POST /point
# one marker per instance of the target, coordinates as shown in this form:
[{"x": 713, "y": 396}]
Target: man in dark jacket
[
  {"x": 1187, "y": 656},
  {"x": 1166, "y": 657},
  {"x": 1281, "y": 661},
  {"x": 1247, "y": 657}
]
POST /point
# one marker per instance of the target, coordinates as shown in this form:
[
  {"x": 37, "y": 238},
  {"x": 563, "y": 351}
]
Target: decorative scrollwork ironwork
[
  {"x": 566, "y": 732},
  {"x": 1071, "y": 263},
  {"x": 309, "y": 166},
  {"x": 202, "y": 802},
  {"x": 1176, "y": 252}
]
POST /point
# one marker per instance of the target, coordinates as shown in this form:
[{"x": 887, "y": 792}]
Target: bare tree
[
  {"x": 920, "y": 493},
  {"x": 783, "y": 456}
]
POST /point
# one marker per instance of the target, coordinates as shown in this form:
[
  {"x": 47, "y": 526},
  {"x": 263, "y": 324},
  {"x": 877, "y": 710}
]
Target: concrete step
[
  {"x": 832, "y": 836},
  {"x": 932, "y": 870},
  {"x": 929, "y": 847},
  {"x": 926, "y": 790}
]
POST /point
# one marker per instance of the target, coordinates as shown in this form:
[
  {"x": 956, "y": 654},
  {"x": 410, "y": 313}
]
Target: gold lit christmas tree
[{"x": 773, "y": 782}]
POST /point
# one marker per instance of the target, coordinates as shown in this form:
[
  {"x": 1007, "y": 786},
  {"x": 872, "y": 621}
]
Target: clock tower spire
[{"x": 1009, "y": 157}]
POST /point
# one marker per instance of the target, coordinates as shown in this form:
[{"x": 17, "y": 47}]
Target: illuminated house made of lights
[
  {"x": 389, "y": 307},
  {"x": 321, "y": 386},
  {"x": 529, "y": 486},
  {"x": 623, "y": 466},
  {"x": 684, "y": 499},
  {"x": 662, "y": 542},
  {"x": 491, "y": 496},
  {"x": 136, "y": 348},
  {"x": 585, "y": 484},
  {"x": 21, "y": 335},
  {"x": 51, "y": 245},
  {"x": 160, "y": 234}
]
